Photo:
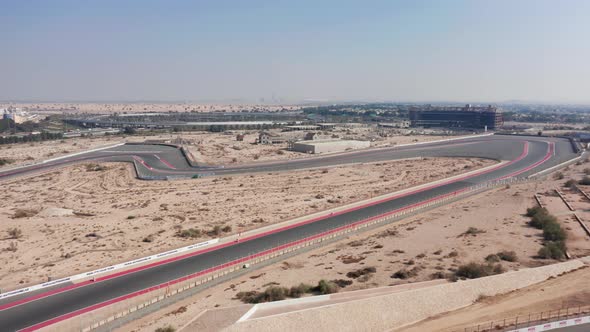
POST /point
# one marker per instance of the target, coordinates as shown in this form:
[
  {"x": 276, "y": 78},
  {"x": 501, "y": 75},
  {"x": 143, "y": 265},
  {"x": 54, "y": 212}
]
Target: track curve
[{"x": 526, "y": 155}]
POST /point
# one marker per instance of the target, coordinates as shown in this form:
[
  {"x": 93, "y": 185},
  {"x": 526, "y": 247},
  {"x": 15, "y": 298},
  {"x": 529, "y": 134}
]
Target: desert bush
[
  {"x": 326, "y": 287},
  {"x": 13, "y": 246},
  {"x": 249, "y": 297},
  {"x": 539, "y": 220},
  {"x": 438, "y": 275},
  {"x": 475, "y": 270},
  {"x": 5, "y": 161},
  {"x": 492, "y": 258},
  {"x": 168, "y": 328},
  {"x": 586, "y": 171},
  {"x": 342, "y": 282},
  {"x": 531, "y": 212},
  {"x": 275, "y": 293},
  {"x": 552, "y": 231},
  {"x": 189, "y": 233},
  {"x": 552, "y": 250},
  {"x": 473, "y": 231},
  {"x": 585, "y": 181},
  {"x": 95, "y": 168},
  {"x": 558, "y": 176},
  {"x": 569, "y": 183},
  {"x": 226, "y": 229},
  {"x": 280, "y": 152},
  {"x": 453, "y": 253},
  {"x": 361, "y": 272},
  {"x": 15, "y": 233},
  {"x": 23, "y": 213},
  {"x": 148, "y": 238},
  {"x": 272, "y": 293},
  {"x": 216, "y": 230},
  {"x": 509, "y": 256},
  {"x": 405, "y": 274},
  {"x": 297, "y": 291}
]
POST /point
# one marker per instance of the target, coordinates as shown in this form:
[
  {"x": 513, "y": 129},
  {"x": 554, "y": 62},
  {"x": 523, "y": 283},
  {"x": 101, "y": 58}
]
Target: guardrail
[
  {"x": 538, "y": 321},
  {"x": 94, "y": 273},
  {"x": 105, "y": 316}
]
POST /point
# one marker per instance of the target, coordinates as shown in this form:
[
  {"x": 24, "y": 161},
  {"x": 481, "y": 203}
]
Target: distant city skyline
[{"x": 460, "y": 51}]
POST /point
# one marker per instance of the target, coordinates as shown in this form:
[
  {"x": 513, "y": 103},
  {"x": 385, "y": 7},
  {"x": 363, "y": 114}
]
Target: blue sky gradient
[{"x": 414, "y": 50}]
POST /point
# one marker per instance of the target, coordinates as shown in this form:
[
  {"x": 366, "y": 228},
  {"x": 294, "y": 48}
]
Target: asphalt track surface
[{"x": 527, "y": 155}]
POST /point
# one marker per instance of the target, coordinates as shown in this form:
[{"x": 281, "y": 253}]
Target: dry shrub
[
  {"x": 15, "y": 233},
  {"x": 23, "y": 213}
]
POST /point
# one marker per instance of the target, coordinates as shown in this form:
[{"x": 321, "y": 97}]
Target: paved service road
[{"x": 527, "y": 155}]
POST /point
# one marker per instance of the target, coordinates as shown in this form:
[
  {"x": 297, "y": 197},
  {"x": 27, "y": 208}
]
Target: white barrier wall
[{"x": 106, "y": 269}]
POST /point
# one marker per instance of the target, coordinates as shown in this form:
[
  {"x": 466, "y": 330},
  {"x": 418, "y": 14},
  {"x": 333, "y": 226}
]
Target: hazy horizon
[{"x": 272, "y": 52}]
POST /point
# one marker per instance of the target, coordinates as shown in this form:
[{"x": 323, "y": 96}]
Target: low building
[
  {"x": 311, "y": 136},
  {"x": 326, "y": 146},
  {"x": 301, "y": 127},
  {"x": 399, "y": 124},
  {"x": 327, "y": 126},
  {"x": 270, "y": 138}
]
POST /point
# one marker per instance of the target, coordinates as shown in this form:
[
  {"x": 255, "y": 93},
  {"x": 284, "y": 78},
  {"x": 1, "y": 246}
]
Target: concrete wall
[
  {"x": 399, "y": 309},
  {"x": 329, "y": 146}
]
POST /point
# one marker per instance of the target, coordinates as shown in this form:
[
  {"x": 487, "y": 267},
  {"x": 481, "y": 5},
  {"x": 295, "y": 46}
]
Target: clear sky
[{"x": 413, "y": 50}]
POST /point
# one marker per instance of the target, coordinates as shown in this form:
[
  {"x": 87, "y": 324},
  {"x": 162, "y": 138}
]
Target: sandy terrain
[
  {"x": 225, "y": 149},
  {"x": 427, "y": 243},
  {"x": 26, "y": 153},
  {"x": 570, "y": 290},
  {"x": 144, "y": 107},
  {"x": 205, "y": 147},
  {"x": 75, "y": 219}
]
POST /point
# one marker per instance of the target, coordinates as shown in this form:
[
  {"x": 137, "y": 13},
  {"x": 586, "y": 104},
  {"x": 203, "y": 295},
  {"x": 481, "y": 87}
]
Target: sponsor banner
[{"x": 105, "y": 269}]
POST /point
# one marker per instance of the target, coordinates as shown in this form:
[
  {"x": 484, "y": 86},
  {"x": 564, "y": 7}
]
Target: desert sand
[
  {"x": 77, "y": 219},
  {"x": 205, "y": 147},
  {"x": 223, "y": 148},
  {"x": 27, "y": 153},
  {"x": 428, "y": 243}
]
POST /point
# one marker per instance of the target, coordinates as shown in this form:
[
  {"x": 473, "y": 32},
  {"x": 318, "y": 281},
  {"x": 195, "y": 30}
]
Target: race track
[{"x": 526, "y": 156}]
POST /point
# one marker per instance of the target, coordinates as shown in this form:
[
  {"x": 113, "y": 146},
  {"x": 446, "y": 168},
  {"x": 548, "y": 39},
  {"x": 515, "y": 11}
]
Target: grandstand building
[{"x": 468, "y": 117}]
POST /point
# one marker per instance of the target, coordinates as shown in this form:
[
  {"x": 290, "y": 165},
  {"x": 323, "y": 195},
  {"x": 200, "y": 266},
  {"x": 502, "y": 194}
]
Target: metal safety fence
[{"x": 529, "y": 320}]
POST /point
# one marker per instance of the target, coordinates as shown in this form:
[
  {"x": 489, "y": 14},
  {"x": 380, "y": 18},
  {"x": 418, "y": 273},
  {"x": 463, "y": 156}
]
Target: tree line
[{"x": 43, "y": 136}]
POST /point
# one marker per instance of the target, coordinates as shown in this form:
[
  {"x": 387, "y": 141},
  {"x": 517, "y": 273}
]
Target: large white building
[
  {"x": 326, "y": 146},
  {"x": 17, "y": 115}
]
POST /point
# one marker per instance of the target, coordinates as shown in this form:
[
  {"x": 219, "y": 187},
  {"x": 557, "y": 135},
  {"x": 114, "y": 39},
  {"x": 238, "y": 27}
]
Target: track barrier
[
  {"x": 535, "y": 322},
  {"x": 111, "y": 268}
]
